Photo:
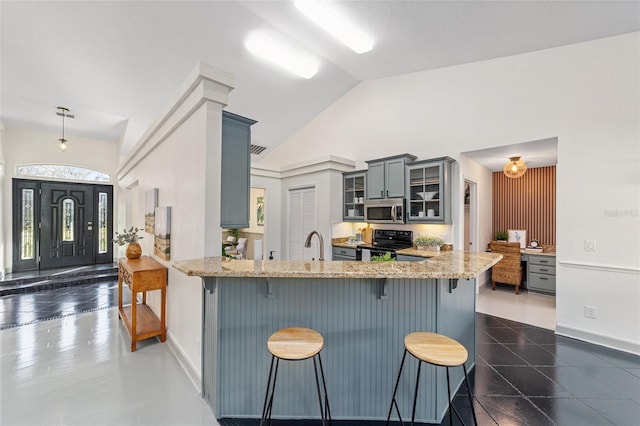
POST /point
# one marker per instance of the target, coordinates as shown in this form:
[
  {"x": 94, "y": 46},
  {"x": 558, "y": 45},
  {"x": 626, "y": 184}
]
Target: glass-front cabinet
[
  {"x": 429, "y": 191},
  {"x": 353, "y": 195}
]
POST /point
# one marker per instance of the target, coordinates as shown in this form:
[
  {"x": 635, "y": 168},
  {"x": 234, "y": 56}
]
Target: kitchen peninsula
[{"x": 362, "y": 309}]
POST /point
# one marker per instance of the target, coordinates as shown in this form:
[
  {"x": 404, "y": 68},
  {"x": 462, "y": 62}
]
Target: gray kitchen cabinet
[
  {"x": 407, "y": 258},
  {"x": 343, "y": 253},
  {"x": 353, "y": 195},
  {"x": 541, "y": 274},
  {"x": 235, "y": 170},
  {"x": 386, "y": 177},
  {"x": 429, "y": 191}
]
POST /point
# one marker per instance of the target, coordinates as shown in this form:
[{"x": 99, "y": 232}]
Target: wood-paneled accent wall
[{"x": 528, "y": 202}]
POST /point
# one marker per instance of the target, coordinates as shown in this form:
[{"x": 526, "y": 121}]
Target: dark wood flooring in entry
[{"x": 524, "y": 375}]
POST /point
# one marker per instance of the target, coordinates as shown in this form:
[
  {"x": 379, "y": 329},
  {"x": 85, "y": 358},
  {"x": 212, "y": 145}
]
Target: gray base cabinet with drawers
[
  {"x": 541, "y": 274},
  {"x": 343, "y": 253}
]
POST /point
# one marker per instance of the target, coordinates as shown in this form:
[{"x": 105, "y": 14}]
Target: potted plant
[
  {"x": 383, "y": 258},
  {"x": 130, "y": 238},
  {"x": 427, "y": 242},
  {"x": 502, "y": 235}
]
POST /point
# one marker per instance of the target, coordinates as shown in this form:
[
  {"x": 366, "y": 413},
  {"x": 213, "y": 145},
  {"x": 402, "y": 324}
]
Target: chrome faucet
[{"x": 307, "y": 243}]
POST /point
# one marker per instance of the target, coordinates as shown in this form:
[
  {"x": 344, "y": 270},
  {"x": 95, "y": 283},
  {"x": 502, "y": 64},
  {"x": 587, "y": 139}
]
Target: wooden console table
[{"x": 142, "y": 275}]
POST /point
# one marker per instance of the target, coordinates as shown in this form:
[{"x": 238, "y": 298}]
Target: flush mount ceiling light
[
  {"x": 335, "y": 25},
  {"x": 62, "y": 144},
  {"x": 294, "y": 62},
  {"x": 515, "y": 167}
]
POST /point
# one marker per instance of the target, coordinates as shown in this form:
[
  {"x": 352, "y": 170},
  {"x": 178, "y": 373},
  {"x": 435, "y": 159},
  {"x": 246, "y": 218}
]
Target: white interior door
[{"x": 301, "y": 221}]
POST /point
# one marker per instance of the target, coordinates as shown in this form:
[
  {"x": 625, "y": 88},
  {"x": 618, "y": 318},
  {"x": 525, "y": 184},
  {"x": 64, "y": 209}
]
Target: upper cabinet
[
  {"x": 235, "y": 171},
  {"x": 386, "y": 177},
  {"x": 429, "y": 191},
  {"x": 353, "y": 184}
]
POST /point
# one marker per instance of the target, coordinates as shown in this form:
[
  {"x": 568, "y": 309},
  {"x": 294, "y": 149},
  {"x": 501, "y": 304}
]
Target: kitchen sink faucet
[{"x": 307, "y": 243}]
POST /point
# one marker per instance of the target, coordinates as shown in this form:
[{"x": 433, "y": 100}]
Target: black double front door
[{"x": 61, "y": 224}]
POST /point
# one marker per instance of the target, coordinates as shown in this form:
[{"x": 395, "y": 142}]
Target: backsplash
[{"x": 344, "y": 229}]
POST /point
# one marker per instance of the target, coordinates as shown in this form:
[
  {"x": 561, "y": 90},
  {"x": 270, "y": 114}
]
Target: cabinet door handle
[
  {"x": 382, "y": 193},
  {"x": 387, "y": 193}
]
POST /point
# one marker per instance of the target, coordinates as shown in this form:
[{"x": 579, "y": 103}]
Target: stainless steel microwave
[{"x": 389, "y": 210}]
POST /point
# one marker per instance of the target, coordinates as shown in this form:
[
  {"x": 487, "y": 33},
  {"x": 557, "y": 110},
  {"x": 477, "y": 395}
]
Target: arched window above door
[{"x": 60, "y": 171}]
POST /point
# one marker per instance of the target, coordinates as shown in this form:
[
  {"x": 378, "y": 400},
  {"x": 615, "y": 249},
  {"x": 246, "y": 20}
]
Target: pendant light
[
  {"x": 62, "y": 144},
  {"x": 515, "y": 167}
]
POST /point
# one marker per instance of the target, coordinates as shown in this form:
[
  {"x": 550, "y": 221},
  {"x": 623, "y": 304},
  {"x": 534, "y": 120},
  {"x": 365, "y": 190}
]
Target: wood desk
[{"x": 142, "y": 275}]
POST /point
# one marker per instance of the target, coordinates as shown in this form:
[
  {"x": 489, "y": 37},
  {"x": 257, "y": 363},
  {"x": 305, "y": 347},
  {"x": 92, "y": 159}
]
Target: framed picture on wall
[
  {"x": 162, "y": 235},
  {"x": 260, "y": 211},
  {"x": 150, "y": 204},
  {"x": 518, "y": 235}
]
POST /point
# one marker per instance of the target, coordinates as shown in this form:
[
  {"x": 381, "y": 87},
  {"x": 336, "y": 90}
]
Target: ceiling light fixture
[
  {"x": 515, "y": 167},
  {"x": 294, "y": 62},
  {"x": 335, "y": 25},
  {"x": 62, "y": 144}
]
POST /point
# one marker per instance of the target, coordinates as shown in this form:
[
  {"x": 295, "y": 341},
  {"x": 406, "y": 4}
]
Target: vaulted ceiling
[{"x": 116, "y": 65}]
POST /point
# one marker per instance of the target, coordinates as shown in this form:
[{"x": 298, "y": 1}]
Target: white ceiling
[
  {"x": 116, "y": 65},
  {"x": 540, "y": 153}
]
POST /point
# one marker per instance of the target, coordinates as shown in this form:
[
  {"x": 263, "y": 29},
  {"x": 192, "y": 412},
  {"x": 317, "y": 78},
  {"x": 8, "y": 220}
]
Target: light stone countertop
[{"x": 455, "y": 264}]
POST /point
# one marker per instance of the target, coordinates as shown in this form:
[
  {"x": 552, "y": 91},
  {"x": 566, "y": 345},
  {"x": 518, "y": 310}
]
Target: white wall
[
  {"x": 483, "y": 178},
  {"x": 176, "y": 167},
  {"x": 25, "y": 146},
  {"x": 273, "y": 239},
  {"x": 2, "y": 225},
  {"x": 181, "y": 156},
  {"x": 585, "y": 94}
]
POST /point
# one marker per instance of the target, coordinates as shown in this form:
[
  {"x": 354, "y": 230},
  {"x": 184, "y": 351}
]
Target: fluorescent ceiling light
[
  {"x": 282, "y": 56},
  {"x": 335, "y": 25}
]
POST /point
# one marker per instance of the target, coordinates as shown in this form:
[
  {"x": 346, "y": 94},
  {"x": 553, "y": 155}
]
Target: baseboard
[
  {"x": 185, "y": 363},
  {"x": 599, "y": 339}
]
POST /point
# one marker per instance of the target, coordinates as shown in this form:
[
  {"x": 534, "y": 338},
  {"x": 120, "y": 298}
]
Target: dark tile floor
[
  {"x": 524, "y": 375},
  {"x": 28, "y": 308}
]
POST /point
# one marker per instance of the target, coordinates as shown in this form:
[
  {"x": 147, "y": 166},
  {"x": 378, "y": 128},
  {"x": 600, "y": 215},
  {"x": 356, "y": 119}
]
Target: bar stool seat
[
  {"x": 436, "y": 349},
  {"x": 439, "y": 350},
  {"x": 295, "y": 344}
]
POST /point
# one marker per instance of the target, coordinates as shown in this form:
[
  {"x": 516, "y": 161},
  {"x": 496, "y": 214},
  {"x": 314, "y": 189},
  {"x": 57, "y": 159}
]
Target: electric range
[{"x": 385, "y": 240}]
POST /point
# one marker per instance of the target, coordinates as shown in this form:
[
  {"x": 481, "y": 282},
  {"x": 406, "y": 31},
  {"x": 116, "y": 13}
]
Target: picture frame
[
  {"x": 162, "y": 233},
  {"x": 150, "y": 204},
  {"x": 518, "y": 235}
]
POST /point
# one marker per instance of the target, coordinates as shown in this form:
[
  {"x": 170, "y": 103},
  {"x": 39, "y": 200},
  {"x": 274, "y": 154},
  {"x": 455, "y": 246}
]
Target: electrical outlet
[
  {"x": 590, "y": 245},
  {"x": 590, "y": 311}
]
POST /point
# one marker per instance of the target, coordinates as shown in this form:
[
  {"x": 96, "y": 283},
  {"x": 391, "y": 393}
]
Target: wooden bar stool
[
  {"x": 295, "y": 344},
  {"x": 438, "y": 350}
]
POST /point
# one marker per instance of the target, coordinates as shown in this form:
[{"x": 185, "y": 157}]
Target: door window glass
[
  {"x": 68, "y": 219},
  {"x": 102, "y": 223},
  {"x": 59, "y": 171},
  {"x": 27, "y": 235}
]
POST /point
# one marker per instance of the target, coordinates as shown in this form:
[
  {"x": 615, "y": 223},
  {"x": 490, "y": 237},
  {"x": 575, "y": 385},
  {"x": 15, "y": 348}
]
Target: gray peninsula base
[{"x": 363, "y": 322}]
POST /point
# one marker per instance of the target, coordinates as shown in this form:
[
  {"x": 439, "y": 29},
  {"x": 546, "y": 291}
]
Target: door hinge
[
  {"x": 40, "y": 191},
  {"x": 39, "y": 259},
  {"x": 39, "y": 225}
]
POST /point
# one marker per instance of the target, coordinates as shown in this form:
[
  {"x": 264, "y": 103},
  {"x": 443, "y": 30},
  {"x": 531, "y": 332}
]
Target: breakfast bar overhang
[{"x": 362, "y": 309}]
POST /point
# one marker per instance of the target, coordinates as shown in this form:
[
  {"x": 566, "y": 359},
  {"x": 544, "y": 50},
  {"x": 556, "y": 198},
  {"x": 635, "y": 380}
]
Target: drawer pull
[
  {"x": 544, "y": 270},
  {"x": 543, "y": 278}
]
